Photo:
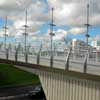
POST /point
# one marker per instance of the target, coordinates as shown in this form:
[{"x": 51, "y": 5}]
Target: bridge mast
[
  {"x": 5, "y": 34},
  {"x": 25, "y": 34},
  {"x": 51, "y": 37},
  {"x": 87, "y": 26}
]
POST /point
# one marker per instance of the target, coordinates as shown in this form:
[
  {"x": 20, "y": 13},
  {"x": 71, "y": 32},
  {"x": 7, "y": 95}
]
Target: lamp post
[
  {"x": 25, "y": 34},
  {"x": 51, "y": 38}
]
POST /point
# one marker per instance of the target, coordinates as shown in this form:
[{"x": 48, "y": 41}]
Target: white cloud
[
  {"x": 73, "y": 12},
  {"x": 2, "y": 33},
  {"x": 60, "y": 34},
  {"x": 15, "y": 10},
  {"x": 23, "y": 3},
  {"x": 9, "y": 7},
  {"x": 77, "y": 30}
]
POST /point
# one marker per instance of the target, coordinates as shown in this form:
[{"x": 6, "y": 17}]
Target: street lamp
[{"x": 51, "y": 38}]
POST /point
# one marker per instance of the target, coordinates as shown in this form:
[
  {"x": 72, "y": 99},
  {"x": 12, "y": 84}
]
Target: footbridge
[{"x": 69, "y": 78}]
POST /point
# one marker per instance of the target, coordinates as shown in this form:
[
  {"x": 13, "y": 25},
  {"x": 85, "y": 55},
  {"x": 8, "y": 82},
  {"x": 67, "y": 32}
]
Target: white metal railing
[{"x": 80, "y": 58}]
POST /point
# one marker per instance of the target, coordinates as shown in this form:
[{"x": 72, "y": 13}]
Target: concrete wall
[{"x": 58, "y": 86}]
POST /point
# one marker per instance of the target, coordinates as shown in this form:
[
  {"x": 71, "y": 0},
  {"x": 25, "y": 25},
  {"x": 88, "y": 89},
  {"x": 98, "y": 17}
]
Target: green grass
[{"x": 11, "y": 76}]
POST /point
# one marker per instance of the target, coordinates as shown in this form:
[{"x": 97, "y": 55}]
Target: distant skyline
[{"x": 69, "y": 17}]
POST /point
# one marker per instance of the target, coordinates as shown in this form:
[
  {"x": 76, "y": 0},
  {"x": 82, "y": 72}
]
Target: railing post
[
  {"x": 26, "y": 57},
  {"x": 38, "y": 55},
  {"x": 51, "y": 61},
  {"x": 96, "y": 58},
  {"x": 7, "y": 54},
  {"x": 16, "y": 55},
  {"x": 85, "y": 63},
  {"x": 67, "y": 60},
  {"x": 0, "y": 46},
  {"x": 38, "y": 59}
]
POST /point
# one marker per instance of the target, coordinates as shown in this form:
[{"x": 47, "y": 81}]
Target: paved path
[
  {"x": 10, "y": 91},
  {"x": 17, "y": 93}
]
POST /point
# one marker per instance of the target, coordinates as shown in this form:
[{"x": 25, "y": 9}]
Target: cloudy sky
[{"x": 69, "y": 17}]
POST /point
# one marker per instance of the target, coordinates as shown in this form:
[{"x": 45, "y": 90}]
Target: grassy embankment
[{"x": 11, "y": 76}]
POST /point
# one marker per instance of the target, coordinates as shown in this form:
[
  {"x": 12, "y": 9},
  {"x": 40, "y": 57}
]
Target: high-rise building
[
  {"x": 78, "y": 44},
  {"x": 80, "y": 48},
  {"x": 96, "y": 44}
]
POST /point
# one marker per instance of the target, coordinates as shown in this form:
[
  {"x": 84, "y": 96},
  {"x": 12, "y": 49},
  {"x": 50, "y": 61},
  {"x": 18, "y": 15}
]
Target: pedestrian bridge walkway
[
  {"x": 69, "y": 79},
  {"x": 67, "y": 62}
]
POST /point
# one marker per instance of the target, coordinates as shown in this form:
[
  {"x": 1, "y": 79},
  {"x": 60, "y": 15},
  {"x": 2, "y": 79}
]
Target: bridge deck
[{"x": 80, "y": 75}]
